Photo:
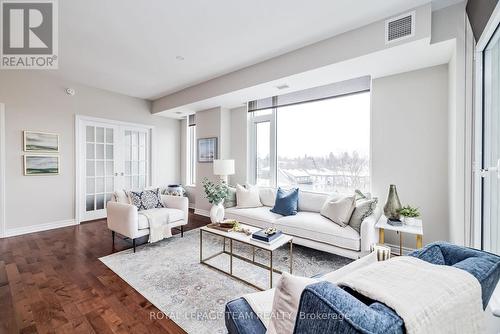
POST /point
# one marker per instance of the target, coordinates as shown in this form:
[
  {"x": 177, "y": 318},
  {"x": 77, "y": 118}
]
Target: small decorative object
[
  {"x": 175, "y": 190},
  {"x": 270, "y": 231},
  {"x": 381, "y": 251},
  {"x": 40, "y": 142},
  {"x": 216, "y": 193},
  {"x": 410, "y": 215},
  {"x": 393, "y": 205},
  {"x": 207, "y": 149},
  {"x": 41, "y": 165}
]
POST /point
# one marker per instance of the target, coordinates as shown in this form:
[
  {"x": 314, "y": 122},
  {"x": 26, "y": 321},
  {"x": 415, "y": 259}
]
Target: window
[
  {"x": 191, "y": 154},
  {"x": 322, "y": 145}
]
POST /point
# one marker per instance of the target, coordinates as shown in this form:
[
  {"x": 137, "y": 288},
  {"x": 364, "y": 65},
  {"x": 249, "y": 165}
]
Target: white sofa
[
  {"x": 308, "y": 227},
  {"x": 123, "y": 217}
]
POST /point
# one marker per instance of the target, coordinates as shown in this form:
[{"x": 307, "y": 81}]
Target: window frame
[{"x": 272, "y": 118}]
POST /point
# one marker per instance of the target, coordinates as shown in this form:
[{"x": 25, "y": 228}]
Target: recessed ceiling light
[
  {"x": 179, "y": 58},
  {"x": 283, "y": 86}
]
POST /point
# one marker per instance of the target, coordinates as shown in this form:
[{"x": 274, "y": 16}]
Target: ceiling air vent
[{"x": 399, "y": 28}]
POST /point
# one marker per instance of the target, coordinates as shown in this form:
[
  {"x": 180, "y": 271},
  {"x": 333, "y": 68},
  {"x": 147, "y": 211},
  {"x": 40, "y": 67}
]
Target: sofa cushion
[
  {"x": 363, "y": 209},
  {"x": 174, "y": 215},
  {"x": 286, "y": 202},
  {"x": 339, "y": 210},
  {"x": 313, "y": 226},
  {"x": 146, "y": 199},
  {"x": 247, "y": 197},
  {"x": 260, "y": 217},
  {"x": 267, "y": 196},
  {"x": 309, "y": 201}
]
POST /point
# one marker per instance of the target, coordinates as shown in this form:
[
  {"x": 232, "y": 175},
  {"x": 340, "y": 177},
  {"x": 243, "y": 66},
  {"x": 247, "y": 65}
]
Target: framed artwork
[
  {"x": 207, "y": 149},
  {"x": 41, "y": 165},
  {"x": 40, "y": 141}
]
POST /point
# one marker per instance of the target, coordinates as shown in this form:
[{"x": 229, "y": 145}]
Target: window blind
[
  {"x": 347, "y": 87},
  {"x": 192, "y": 120}
]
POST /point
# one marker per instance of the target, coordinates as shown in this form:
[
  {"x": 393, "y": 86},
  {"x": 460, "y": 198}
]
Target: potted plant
[
  {"x": 216, "y": 193},
  {"x": 410, "y": 215}
]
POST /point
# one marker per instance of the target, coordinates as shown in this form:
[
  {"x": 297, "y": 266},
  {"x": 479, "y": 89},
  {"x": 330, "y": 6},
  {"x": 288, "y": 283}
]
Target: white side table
[{"x": 416, "y": 229}]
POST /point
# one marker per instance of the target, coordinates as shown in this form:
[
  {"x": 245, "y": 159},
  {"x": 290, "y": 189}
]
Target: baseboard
[
  {"x": 11, "y": 232},
  {"x": 395, "y": 249},
  {"x": 202, "y": 212},
  {"x": 192, "y": 206}
]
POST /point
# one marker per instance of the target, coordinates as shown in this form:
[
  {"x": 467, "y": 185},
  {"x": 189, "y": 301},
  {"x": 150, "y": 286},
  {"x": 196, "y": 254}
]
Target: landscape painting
[
  {"x": 207, "y": 149},
  {"x": 41, "y": 165},
  {"x": 40, "y": 142}
]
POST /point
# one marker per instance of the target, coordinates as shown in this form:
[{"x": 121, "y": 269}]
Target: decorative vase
[
  {"x": 175, "y": 190},
  {"x": 393, "y": 205},
  {"x": 411, "y": 221},
  {"x": 217, "y": 213}
]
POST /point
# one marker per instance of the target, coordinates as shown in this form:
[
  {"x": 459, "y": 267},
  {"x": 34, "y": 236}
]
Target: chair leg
[
  {"x": 133, "y": 243},
  {"x": 182, "y": 231},
  {"x": 113, "y": 235}
]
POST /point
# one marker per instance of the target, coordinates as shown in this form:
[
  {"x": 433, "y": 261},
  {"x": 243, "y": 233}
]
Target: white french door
[{"x": 112, "y": 156}]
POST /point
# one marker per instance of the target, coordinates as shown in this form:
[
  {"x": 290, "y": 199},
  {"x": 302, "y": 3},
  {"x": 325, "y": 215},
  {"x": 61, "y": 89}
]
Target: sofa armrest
[
  {"x": 177, "y": 202},
  {"x": 368, "y": 232},
  {"x": 122, "y": 218},
  {"x": 326, "y": 308}
]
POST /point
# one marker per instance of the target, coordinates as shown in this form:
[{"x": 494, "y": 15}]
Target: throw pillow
[
  {"x": 364, "y": 208},
  {"x": 286, "y": 202},
  {"x": 339, "y": 210},
  {"x": 267, "y": 196},
  {"x": 121, "y": 196},
  {"x": 230, "y": 200},
  {"x": 247, "y": 197},
  {"x": 286, "y": 302},
  {"x": 146, "y": 199}
]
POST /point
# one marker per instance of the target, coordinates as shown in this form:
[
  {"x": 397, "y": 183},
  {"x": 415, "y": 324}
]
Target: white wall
[
  {"x": 35, "y": 100},
  {"x": 410, "y": 145},
  {"x": 239, "y": 139}
]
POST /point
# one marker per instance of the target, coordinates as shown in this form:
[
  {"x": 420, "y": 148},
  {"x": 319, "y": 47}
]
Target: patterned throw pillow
[
  {"x": 364, "y": 208},
  {"x": 146, "y": 199},
  {"x": 230, "y": 200}
]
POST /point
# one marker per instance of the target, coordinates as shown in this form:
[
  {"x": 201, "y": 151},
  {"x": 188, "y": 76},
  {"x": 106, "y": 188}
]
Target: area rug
[{"x": 169, "y": 275}]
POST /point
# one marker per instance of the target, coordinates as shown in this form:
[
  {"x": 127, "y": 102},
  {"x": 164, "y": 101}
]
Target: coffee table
[{"x": 246, "y": 239}]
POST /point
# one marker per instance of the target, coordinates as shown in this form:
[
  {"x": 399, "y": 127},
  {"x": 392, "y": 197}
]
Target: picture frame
[
  {"x": 207, "y": 149},
  {"x": 36, "y": 141},
  {"x": 35, "y": 165}
]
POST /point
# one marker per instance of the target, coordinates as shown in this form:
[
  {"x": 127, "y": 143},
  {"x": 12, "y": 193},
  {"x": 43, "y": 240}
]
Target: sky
[{"x": 318, "y": 128}]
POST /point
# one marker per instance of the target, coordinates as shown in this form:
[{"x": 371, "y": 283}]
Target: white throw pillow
[
  {"x": 267, "y": 196},
  {"x": 286, "y": 303},
  {"x": 247, "y": 197},
  {"x": 339, "y": 210}
]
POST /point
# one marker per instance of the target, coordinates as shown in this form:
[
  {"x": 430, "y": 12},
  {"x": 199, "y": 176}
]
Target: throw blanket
[
  {"x": 429, "y": 298},
  {"x": 158, "y": 227}
]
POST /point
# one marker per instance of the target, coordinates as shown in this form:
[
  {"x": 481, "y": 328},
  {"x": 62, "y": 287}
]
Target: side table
[{"x": 416, "y": 229}]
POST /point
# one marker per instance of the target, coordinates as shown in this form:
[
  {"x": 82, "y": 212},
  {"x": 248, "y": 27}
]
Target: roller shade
[
  {"x": 347, "y": 87},
  {"x": 192, "y": 120}
]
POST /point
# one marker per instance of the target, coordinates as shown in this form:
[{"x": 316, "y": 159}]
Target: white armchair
[{"x": 123, "y": 217}]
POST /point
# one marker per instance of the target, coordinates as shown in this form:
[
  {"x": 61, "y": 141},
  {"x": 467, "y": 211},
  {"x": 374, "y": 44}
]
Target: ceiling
[{"x": 148, "y": 49}]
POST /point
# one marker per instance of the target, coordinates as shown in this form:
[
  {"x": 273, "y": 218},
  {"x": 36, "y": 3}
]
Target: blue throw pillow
[{"x": 286, "y": 202}]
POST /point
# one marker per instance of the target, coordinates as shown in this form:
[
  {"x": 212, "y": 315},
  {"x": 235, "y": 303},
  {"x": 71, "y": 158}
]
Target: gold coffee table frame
[{"x": 252, "y": 261}]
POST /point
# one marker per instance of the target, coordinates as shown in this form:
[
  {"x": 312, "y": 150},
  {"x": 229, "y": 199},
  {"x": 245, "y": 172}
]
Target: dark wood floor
[{"x": 53, "y": 282}]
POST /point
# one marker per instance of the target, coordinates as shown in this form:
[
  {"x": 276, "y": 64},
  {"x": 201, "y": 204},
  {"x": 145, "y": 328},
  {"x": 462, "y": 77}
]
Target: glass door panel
[
  {"x": 491, "y": 146},
  {"x": 136, "y": 148},
  {"x": 263, "y": 152}
]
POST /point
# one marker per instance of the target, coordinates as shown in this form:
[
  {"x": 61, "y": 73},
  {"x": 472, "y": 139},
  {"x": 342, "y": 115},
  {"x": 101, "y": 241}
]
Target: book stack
[{"x": 266, "y": 238}]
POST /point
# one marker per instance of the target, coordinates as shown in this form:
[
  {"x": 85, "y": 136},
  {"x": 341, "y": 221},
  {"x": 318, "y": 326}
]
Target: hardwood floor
[{"x": 53, "y": 282}]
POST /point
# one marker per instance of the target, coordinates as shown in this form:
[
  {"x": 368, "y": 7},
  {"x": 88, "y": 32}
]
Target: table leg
[
  {"x": 419, "y": 241},
  {"x": 291, "y": 257},
  {"x": 230, "y": 255},
  {"x": 270, "y": 269},
  {"x": 224, "y": 245},
  {"x": 400, "y": 243},
  {"x": 380, "y": 235},
  {"x": 201, "y": 246},
  {"x": 253, "y": 253}
]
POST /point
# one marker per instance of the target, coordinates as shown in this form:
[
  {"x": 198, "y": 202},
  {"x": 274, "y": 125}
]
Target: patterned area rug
[{"x": 169, "y": 275}]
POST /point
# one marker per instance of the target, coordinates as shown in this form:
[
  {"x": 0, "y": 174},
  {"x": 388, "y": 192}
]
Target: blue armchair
[{"x": 324, "y": 306}]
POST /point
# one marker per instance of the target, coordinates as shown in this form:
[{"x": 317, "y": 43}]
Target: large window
[
  {"x": 191, "y": 155},
  {"x": 321, "y": 146}
]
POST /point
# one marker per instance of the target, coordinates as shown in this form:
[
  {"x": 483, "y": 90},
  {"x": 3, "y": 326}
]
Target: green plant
[
  {"x": 410, "y": 212},
  {"x": 215, "y": 192}
]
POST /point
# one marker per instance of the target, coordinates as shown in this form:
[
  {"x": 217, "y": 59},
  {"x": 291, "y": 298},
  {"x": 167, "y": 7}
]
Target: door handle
[
  {"x": 122, "y": 173},
  {"x": 496, "y": 169},
  {"x": 116, "y": 174}
]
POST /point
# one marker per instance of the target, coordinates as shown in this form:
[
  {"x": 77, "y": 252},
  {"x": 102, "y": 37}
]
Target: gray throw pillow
[
  {"x": 230, "y": 200},
  {"x": 363, "y": 209},
  {"x": 339, "y": 210}
]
